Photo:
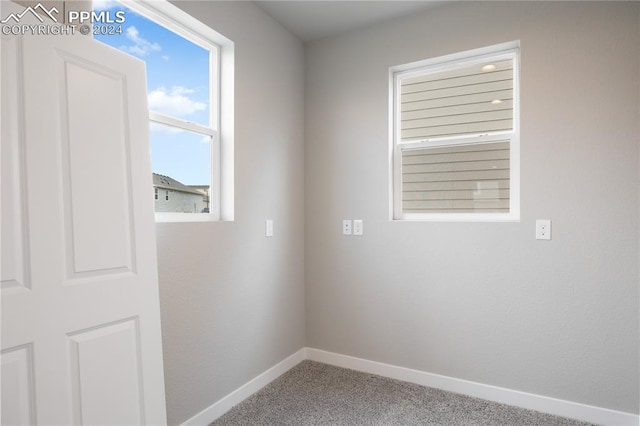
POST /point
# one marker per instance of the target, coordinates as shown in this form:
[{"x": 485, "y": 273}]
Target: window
[
  {"x": 190, "y": 89},
  {"x": 454, "y": 145},
  {"x": 155, "y": 191}
]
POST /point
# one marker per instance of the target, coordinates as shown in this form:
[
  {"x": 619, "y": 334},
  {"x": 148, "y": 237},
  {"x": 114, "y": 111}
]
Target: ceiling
[{"x": 312, "y": 20}]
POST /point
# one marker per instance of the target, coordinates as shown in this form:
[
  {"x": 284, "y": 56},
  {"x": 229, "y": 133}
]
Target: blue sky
[{"x": 177, "y": 85}]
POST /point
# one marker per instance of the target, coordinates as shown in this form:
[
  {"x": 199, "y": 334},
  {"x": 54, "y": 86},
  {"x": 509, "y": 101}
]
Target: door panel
[
  {"x": 105, "y": 364},
  {"x": 81, "y": 340},
  {"x": 17, "y": 386},
  {"x": 98, "y": 219},
  {"x": 15, "y": 268}
]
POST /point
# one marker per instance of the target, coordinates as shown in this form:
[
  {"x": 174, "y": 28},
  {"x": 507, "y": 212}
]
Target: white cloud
[
  {"x": 165, "y": 57},
  {"x": 174, "y": 102},
  {"x": 141, "y": 46}
]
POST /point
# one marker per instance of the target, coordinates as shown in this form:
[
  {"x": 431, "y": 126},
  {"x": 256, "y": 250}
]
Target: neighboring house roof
[
  {"x": 203, "y": 189},
  {"x": 166, "y": 182},
  {"x": 200, "y": 187}
]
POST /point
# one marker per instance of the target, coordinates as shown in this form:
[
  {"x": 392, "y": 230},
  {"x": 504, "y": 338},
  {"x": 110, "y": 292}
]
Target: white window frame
[
  {"x": 221, "y": 118},
  {"x": 503, "y": 51}
]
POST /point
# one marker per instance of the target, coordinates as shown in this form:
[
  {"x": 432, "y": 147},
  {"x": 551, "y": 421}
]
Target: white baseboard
[
  {"x": 223, "y": 405},
  {"x": 530, "y": 401}
]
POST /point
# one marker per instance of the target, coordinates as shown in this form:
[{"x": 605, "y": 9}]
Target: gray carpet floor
[{"x": 312, "y": 393}]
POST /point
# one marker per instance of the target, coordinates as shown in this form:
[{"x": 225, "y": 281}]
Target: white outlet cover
[
  {"x": 268, "y": 228},
  {"x": 543, "y": 229},
  {"x": 346, "y": 227}
]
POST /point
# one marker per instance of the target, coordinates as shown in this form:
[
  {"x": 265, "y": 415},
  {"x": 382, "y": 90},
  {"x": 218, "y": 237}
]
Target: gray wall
[
  {"x": 485, "y": 301},
  {"x": 232, "y": 300}
]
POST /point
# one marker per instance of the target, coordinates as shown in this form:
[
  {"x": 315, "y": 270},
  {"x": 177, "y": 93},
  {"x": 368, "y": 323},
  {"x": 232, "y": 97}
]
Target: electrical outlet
[
  {"x": 543, "y": 229},
  {"x": 346, "y": 227}
]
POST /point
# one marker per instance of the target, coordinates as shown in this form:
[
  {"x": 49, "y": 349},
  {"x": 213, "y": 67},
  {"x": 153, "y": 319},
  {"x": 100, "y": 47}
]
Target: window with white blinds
[{"x": 455, "y": 139}]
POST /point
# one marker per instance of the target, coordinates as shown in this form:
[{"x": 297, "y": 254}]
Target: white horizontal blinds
[
  {"x": 470, "y": 100},
  {"x": 456, "y": 179}
]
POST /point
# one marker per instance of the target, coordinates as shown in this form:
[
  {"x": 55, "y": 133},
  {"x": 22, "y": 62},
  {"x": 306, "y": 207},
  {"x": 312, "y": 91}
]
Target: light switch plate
[
  {"x": 268, "y": 228},
  {"x": 358, "y": 227},
  {"x": 543, "y": 229}
]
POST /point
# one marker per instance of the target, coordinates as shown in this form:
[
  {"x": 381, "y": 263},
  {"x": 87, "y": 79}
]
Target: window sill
[
  {"x": 460, "y": 217},
  {"x": 185, "y": 217}
]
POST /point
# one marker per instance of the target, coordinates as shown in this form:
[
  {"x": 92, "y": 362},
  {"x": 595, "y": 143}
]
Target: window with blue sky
[{"x": 178, "y": 87}]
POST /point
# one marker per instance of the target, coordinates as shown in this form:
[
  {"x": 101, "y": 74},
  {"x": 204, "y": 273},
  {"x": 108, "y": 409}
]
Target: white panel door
[{"x": 81, "y": 341}]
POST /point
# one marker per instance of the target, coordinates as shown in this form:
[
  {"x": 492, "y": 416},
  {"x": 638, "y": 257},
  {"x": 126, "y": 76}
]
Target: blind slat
[
  {"x": 503, "y": 114},
  {"x": 473, "y": 175},
  {"x": 457, "y": 204},
  {"x": 482, "y": 165},
  {"x": 452, "y": 185},
  {"x": 456, "y": 101},
  {"x": 452, "y": 210},
  {"x": 457, "y": 109},
  {"x": 458, "y": 91},
  {"x": 457, "y": 195},
  {"x": 456, "y": 129},
  {"x": 501, "y": 154},
  {"x": 465, "y": 80},
  {"x": 457, "y": 148}
]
